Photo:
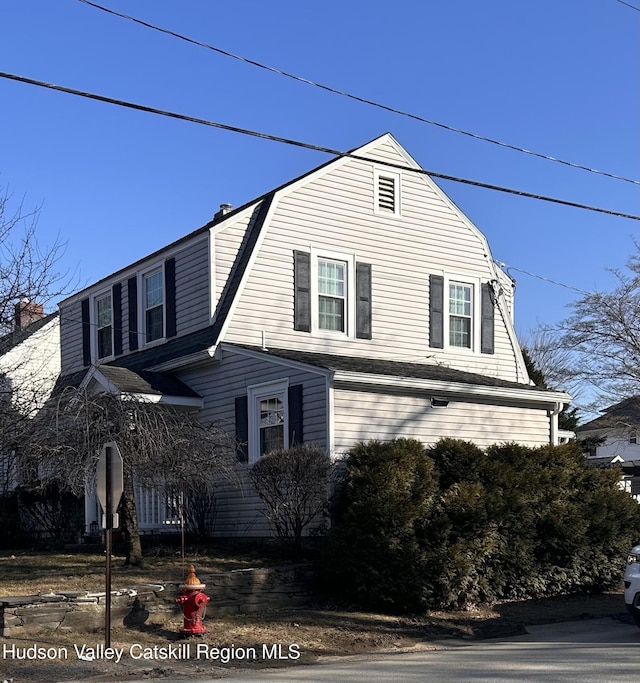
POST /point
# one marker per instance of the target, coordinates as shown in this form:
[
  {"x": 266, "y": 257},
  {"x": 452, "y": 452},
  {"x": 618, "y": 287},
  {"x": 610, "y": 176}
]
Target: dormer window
[
  {"x": 387, "y": 193},
  {"x": 154, "y": 306},
  {"x": 104, "y": 324}
]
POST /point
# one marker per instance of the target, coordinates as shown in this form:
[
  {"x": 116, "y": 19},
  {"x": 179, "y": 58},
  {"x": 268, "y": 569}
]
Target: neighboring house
[
  {"x": 29, "y": 369},
  {"x": 616, "y": 438},
  {"x": 355, "y": 302}
]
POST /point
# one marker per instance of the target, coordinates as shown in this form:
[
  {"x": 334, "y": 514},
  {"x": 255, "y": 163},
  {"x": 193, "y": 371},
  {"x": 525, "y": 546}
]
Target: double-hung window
[
  {"x": 460, "y": 315},
  {"x": 268, "y": 418},
  {"x": 154, "y": 305},
  {"x": 104, "y": 326},
  {"x": 332, "y": 295},
  {"x": 271, "y": 426}
]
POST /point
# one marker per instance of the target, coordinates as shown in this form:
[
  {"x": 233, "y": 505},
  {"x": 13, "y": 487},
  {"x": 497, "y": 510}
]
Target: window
[
  {"x": 633, "y": 438},
  {"x": 154, "y": 306},
  {"x": 460, "y": 309},
  {"x": 104, "y": 326},
  {"x": 268, "y": 418},
  {"x": 332, "y": 295},
  {"x": 461, "y": 314},
  {"x": 271, "y": 427},
  {"x": 387, "y": 192}
]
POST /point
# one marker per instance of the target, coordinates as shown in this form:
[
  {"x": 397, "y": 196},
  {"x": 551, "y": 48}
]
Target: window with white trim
[
  {"x": 104, "y": 326},
  {"x": 333, "y": 292},
  {"x": 268, "y": 418},
  {"x": 460, "y": 315},
  {"x": 153, "y": 301},
  {"x": 332, "y": 295}
]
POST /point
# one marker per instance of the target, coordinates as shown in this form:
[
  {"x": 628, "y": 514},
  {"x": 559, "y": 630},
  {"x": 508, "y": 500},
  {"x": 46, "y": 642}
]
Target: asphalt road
[{"x": 598, "y": 651}]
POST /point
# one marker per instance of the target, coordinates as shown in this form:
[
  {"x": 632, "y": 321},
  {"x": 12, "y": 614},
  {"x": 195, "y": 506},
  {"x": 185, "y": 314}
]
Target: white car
[{"x": 632, "y": 583}]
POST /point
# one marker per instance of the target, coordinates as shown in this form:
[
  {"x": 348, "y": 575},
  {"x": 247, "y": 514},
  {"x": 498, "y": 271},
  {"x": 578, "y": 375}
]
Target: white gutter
[{"x": 553, "y": 426}]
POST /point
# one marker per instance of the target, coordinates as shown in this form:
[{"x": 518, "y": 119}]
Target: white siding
[
  {"x": 238, "y": 510},
  {"x": 336, "y": 211},
  {"x": 32, "y": 366},
  {"x": 360, "y": 416}
]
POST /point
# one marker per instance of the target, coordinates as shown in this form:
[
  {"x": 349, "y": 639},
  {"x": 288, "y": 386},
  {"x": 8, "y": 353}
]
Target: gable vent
[{"x": 386, "y": 194}]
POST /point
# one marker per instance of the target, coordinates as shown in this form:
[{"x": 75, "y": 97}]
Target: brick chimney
[{"x": 27, "y": 312}]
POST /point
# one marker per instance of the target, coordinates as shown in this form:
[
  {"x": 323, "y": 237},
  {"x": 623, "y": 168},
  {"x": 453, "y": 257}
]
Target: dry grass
[{"x": 26, "y": 573}]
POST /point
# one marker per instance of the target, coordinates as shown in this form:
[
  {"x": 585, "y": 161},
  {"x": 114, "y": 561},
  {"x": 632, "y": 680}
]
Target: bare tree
[
  {"x": 294, "y": 485},
  {"x": 27, "y": 269},
  {"x": 162, "y": 448},
  {"x": 602, "y": 334}
]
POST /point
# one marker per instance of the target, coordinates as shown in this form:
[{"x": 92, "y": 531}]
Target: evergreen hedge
[{"x": 456, "y": 526}]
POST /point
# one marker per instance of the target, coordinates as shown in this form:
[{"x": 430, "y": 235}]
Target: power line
[
  {"x": 357, "y": 98},
  {"x": 306, "y": 145},
  {"x": 506, "y": 267},
  {"x": 622, "y": 2}
]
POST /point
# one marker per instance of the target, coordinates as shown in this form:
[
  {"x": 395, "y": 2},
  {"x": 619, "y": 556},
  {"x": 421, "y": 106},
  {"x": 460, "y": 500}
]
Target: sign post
[{"x": 110, "y": 486}]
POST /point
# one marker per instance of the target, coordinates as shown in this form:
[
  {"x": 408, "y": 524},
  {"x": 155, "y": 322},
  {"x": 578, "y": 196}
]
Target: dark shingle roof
[
  {"x": 145, "y": 382},
  {"x": 626, "y": 413},
  {"x": 13, "y": 339},
  {"x": 207, "y": 337},
  {"x": 394, "y": 368}
]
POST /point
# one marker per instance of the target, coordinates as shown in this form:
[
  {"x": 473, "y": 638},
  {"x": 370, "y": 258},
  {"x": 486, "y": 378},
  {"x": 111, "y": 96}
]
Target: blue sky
[{"x": 556, "y": 76}]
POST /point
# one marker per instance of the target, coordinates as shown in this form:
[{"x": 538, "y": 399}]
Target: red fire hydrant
[{"x": 194, "y": 604}]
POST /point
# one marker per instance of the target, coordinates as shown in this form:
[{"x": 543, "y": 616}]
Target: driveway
[{"x": 591, "y": 651}]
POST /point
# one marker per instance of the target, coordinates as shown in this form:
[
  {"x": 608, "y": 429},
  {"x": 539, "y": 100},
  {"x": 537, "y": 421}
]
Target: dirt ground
[{"x": 280, "y": 638}]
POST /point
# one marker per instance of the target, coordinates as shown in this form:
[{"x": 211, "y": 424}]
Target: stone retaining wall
[{"x": 236, "y": 592}]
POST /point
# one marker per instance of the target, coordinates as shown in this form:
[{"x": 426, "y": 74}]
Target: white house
[
  {"x": 616, "y": 434},
  {"x": 29, "y": 369},
  {"x": 354, "y": 302}
]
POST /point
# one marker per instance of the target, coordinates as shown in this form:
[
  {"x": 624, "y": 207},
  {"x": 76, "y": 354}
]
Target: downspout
[{"x": 553, "y": 426}]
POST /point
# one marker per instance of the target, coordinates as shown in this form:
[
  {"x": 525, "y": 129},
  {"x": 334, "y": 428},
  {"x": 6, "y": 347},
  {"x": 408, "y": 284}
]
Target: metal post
[{"x": 107, "y": 536}]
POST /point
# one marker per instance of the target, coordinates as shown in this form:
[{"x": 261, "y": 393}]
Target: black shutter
[
  {"x": 487, "y": 343},
  {"x": 302, "y": 291},
  {"x": 242, "y": 429},
  {"x": 86, "y": 333},
  {"x": 170, "y": 296},
  {"x": 132, "y": 288},
  {"x": 296, "y": 434},
  {"x": 116, "y": 294},
  {"x": 436, "y": 311},
  {"x": 363, "y": 301}
]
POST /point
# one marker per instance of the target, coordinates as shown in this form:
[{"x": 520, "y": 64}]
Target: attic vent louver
[{"x": 386, "y": 194}]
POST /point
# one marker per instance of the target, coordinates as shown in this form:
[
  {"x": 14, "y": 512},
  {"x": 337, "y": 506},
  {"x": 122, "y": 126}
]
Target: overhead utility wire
[
  {"x": 622, "y": 2},
  {"x": 506, "y": 267},
  {"x": 364, "y": 100},
  {"x": 306, "y": 145}
]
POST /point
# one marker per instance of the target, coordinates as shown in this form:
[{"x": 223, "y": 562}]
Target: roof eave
[{"x": 548, "y": 399}]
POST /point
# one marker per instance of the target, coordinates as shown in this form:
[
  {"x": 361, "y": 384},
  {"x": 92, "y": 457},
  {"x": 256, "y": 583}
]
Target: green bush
[
  {"x": 374, "y": 555},
  {"x": 455, "y": 526}
]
